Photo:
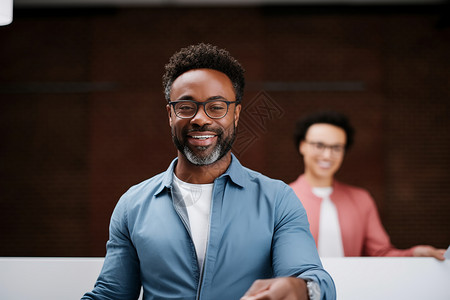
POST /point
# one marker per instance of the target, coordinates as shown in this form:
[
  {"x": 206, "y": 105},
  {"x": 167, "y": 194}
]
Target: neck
[
  {"x": 315, "y": 181},
  {"x": 188, "y": 172}
]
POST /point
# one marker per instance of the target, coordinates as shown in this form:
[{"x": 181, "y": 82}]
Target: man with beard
[{"x": 209, "y": 228}]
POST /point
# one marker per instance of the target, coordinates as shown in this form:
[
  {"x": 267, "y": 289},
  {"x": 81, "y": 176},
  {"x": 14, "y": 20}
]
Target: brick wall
[{"x": 82, "y": 115}]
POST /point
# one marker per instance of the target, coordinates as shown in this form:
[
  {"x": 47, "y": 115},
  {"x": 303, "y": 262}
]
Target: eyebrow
[
  {"x": 189, "y": 97},
  {"x": 326, "y": 144}
]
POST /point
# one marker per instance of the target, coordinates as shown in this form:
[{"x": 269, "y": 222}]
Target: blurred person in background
[{"x": 344, "y": 219}]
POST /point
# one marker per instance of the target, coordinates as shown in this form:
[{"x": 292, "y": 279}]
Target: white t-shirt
[
  {"x": 330, "y": 238},
  {"x": 197, "y": 200}
]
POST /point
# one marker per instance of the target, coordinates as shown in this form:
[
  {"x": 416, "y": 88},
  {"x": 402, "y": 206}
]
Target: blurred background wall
[{"x": 82, "y": 114}]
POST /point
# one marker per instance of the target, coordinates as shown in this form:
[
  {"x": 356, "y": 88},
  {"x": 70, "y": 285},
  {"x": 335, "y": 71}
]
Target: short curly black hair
[
  {"x": 328, "y": 117},
  {"x": 204, "y": 56}
]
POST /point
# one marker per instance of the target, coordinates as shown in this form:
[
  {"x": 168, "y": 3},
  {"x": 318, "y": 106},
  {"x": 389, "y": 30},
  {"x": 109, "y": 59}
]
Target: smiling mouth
[
  {"x": 202, "y": 137},
  {"x": 323, "y": 164}
]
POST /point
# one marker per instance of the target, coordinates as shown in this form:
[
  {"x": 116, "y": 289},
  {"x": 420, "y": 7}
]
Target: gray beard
[
  {"x": 203, "y": 161},
  {"x": 218, "y": 152}
]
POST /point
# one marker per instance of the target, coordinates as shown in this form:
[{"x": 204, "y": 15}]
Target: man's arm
[
  {"x": 294, "y": 256},
  {"x": 119, "y": 277}
]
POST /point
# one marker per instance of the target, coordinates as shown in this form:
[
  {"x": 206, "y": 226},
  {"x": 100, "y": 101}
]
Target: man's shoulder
[
  {"x": 154, "y": 183},
  {"x": 147, "y": 185},
  {"x": 145, "y": 190},
  {"x": 246, "y": 177},
  {"x": 264, "y": 180}
]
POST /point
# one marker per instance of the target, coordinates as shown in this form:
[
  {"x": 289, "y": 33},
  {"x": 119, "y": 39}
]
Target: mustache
[{"x": 218, "y": 131}]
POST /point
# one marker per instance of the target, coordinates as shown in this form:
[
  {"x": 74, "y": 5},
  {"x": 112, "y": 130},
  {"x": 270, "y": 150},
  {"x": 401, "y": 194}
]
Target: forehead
[
  {"x": 326, "y": 133},
  {"x": 202, "y": 84}
]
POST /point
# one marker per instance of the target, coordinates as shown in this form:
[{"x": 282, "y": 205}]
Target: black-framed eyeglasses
[
  {"x": 320, "y": 147},
  {"x": 215, "y": 109}
]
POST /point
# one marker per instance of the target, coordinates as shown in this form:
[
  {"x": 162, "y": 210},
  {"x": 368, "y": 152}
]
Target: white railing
[
  {"x": 386, "y": 278},
  {"x": 39, "y": 278}
]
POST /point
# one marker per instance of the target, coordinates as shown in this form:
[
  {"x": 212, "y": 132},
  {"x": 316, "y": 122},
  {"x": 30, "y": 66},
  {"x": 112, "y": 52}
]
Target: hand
[
  {"x": 429, "y": 251},
  {"x": 283, "y": 288}
]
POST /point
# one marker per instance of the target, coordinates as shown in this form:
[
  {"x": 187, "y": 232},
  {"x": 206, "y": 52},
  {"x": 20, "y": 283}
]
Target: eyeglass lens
[
  {"x": 336, "y": 149},
  {"x": 214, "y": 109}
]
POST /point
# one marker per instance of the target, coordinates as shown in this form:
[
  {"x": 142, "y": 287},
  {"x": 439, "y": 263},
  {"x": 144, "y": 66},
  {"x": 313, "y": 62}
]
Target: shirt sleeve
[
  {"x": 119, "y": 277},
  {"x": 377, "y": 241},
  {"x": 294, "y": 249}
]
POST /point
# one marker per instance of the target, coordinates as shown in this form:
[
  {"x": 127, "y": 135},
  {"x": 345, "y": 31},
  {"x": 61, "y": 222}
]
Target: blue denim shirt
[{"x": 258, "y": 229}]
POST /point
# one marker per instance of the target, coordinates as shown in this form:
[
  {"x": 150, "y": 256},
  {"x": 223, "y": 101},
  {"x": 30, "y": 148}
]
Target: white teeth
[
  {"x": 324, "y": 164},
  {"x": 202, "y": 137}
]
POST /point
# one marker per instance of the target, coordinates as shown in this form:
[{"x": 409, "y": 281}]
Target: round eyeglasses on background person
[
  {"x": 215, "y": 109},
  {"x": 319, "y": 147}
]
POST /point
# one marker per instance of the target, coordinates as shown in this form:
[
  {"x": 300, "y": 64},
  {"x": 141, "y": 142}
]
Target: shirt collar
[{"x": 234, "y": 172}]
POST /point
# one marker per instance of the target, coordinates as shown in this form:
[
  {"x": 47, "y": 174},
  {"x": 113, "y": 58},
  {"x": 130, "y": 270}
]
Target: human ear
[
  {"x": 237, "y": 111},
  {"x": 301, "y": 147},
  {"x": 169, "y": 114}
]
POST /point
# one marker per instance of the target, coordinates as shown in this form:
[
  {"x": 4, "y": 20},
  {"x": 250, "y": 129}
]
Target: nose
[
  {"x": 200, "y": 117},
  {"x": 327, "y": 152}
]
